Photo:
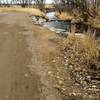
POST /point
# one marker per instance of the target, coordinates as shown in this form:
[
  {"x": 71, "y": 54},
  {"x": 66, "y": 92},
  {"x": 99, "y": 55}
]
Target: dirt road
[{"x": 24, "y": 52}]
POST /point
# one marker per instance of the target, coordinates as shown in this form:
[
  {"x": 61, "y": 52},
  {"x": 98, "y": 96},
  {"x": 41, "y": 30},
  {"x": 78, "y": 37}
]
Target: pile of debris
[{"x": 39, "y": 20}]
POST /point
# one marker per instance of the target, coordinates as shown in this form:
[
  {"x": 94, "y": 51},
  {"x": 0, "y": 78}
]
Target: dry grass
[
  {"x": 86, "y": 50},
  {"x": 83, "y": 61},
  {"x": 32, "y": 11},
  {"x": 64, "y": 16},
  {"x": 69, "y": 14},
  {"x": 90, "y": 47},
  {"x": 49, "y": 6}
]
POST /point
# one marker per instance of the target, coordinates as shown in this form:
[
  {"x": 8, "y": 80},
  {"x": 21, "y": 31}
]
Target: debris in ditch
[
  {"x": 60, "y": 30},
  {"x": 52, "y": 29},
  {"x": 50, "y": 72},
  {"x": 83, "y": 72},
  {"x": 26, "y": 75},
  {"x": 54, "y": 61},
  {"x": 38, "y": 20}
]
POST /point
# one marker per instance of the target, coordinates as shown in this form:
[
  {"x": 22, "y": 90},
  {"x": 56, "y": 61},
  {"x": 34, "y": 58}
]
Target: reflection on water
[
  {"x": 53, "y": 23},
  {"x": 56, "y": 24},
  {"x": 51, "y": 16}
]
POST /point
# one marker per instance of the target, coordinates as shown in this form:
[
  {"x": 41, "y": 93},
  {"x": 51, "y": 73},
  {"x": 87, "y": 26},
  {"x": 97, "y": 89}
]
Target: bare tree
[
  {"x": 86, "y": 7},
  {"x": 40, "y": 4},
  {"x": 24, "y": 3}
]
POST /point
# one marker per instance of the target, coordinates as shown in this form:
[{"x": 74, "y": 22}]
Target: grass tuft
[{"x": 83, "y": 51}]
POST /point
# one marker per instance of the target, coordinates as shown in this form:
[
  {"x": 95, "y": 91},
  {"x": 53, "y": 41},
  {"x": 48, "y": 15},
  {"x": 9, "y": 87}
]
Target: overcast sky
[{"x": 48, "y": 1}]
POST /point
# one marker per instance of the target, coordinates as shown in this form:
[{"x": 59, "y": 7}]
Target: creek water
[
  {"x": 51, "y": 16},
  {"x": 57, "y": 25}
]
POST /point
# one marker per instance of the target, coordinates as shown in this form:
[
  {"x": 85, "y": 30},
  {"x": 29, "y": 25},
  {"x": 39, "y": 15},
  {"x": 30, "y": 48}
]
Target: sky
[{"x": 48, "y": 1}]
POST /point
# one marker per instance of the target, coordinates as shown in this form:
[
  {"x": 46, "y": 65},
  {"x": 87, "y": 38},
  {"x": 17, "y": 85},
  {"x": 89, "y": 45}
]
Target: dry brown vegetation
[
  {"x": 86, "y": 48},
  {"x": 32, "y": 11},
  {"x": 83, "y": 54},
  {"x": 64, "y": 15}
]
